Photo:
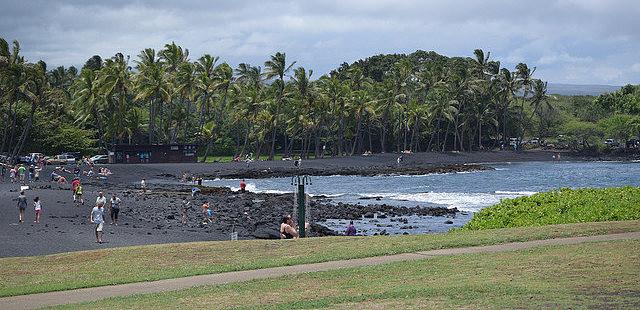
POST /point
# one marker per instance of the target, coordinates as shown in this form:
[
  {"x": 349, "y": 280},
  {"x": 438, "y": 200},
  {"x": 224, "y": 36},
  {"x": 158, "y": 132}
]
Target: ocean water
[{"x": 468, "y": 191}]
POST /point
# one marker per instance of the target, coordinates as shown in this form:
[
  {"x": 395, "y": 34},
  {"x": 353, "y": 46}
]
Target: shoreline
[{"x": 155, "y": 217}]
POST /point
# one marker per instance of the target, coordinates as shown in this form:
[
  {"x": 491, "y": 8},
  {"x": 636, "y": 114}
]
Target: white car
[
  {"x": 62, "y": 160},
  {"x": 100, "y": 159}
]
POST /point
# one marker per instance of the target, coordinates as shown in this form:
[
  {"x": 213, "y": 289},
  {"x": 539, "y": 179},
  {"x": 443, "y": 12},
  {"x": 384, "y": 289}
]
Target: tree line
[{"x": 422, "y": 101}]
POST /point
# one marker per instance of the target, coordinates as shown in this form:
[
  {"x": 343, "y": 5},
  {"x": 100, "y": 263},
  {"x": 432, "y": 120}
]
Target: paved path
[{"x": 89, "y": 294}]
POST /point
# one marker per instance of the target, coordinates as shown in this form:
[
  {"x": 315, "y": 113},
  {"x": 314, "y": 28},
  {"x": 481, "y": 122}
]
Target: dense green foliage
[
  {"x": 561, "y": 207},
  {"x": 422, "y": 101}
]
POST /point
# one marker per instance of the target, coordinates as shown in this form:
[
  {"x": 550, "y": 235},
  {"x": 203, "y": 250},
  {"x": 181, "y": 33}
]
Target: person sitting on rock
[
  {"x": 287, "y": 231},
  {"x": 351, "y": 230}
]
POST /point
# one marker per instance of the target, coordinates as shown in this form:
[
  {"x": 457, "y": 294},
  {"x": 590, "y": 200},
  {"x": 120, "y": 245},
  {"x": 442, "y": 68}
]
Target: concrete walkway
[{"x": 90, "y": 294}]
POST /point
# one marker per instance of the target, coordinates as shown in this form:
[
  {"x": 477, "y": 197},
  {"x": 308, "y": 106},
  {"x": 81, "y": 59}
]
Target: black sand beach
[{"x": 155, "y": 217}]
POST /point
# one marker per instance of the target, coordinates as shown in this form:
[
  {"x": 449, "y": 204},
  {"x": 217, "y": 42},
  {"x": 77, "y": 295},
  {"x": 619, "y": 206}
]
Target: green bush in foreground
[{"x": 561, "y": 207}]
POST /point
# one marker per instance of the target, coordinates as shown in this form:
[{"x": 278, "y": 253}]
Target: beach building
[{"x": 153, "y": 153}]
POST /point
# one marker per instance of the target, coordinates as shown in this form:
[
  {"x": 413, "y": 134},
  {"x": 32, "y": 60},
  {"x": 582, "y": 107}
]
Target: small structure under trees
[{"x": 153, "y": 153}]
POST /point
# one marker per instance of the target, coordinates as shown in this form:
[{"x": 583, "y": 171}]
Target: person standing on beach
[
  {"x": 101, "y": 200},
  {"x": 21, "y": 172},
  {"x": 143, "y": 185},
  {"x": 3, "y": 171},
  {"x": 32, "y": 171},
  {"x": 37, "y": 206},
  {"x": 22, "y": 205},
  {"x": 114, "y": 209},
  {"x": 97, "y": 217},
  {"x": 74, "y": 184},
  {"x": 186, "y": 206},
  {"x": 207, "y": 212},
  {"x": 243, "y": 186},
  {"x": 77, "y": 195},
  {"x": 13, "y": 174}
]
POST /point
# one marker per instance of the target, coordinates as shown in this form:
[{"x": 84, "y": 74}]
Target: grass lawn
[
  {"x": 561, "y": 207},
  {"x": 25, "y": 275},
  {"x": 590, "y": 276}
]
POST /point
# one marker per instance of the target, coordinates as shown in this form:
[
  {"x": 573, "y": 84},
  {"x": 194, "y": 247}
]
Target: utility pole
[{"x": 300, "y": 182}]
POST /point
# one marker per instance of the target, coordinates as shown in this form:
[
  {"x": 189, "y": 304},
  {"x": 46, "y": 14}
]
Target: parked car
[
  {"x": 61, "y": 160},
  {"x": 100, "y": 159},
  {"x": 75, "y": 155},
  {"x": 611, "y": 143}
]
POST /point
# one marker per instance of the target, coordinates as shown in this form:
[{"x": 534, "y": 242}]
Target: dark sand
[{"x": 155, "y": 217}]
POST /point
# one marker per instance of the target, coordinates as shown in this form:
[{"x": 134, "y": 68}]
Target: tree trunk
[
  {"x": 152, "y": 121},
  {"x": 273, "y": 142},
  {"x": 25, "y": 131},
  {"x": 446, "y": 135}
]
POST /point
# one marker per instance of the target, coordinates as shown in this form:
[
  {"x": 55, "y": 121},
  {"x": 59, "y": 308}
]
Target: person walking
[
  {"x": 186, "y": 206},
  {"x": 22, "y": 205},
  {"x": 37, "y": 206},
  {"x": 77, "y": 196},
  {"x": 97, "y": 218},
  {"x": 243, "y": 186},
  {"x": 22, "y": 172},
  {"x": 114, "y": 208},
  {"x": 13, "y": 174},
  {"x": 101, "y": 200}
]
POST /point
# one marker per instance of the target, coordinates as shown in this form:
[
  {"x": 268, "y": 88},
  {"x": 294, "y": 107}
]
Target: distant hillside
[{"x": 582, "y": 90}]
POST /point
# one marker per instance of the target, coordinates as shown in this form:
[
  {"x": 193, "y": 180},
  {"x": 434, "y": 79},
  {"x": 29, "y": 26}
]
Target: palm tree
[
  {"x": 249, "y": 75},
  {"x": 205, "y": 85},
  {"x": 14, "y": 78},
  {"x": 277, "y": 67},
  {"x": 540, "y": 101},
  {"x": 525, "y": 81},
  {"x": 35, "y": 90},
  {"x": 115, "y": 85},
  {"x": 208, "y": 135},
  {"x": 508, "y": 88},
  {"x": 186, "y": 86},
  {"x": 152, "y": 86},
  {"x": 89, "y": 103}
]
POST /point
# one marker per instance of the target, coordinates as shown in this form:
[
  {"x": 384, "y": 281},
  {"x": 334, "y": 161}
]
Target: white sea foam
[
  {"x": 252, "y": 188},
  {"x": 463, "y": 201},
  {"x": 328, "y": 195},
  {"x": 518, "y": 193}
]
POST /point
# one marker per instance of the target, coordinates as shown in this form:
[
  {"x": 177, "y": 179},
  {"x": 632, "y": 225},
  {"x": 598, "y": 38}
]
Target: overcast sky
[{"x": 569, "y": 41}]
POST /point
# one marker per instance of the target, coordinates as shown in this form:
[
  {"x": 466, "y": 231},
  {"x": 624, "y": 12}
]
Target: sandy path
[{"x": 90, "y": 294}]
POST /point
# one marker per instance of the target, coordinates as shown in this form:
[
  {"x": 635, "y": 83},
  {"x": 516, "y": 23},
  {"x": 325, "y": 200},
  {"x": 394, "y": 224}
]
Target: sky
[{"x": 568, "y": 41}]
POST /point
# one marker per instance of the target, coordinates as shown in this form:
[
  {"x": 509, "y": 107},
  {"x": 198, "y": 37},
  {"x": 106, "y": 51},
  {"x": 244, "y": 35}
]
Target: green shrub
[{"x": 561, "y": 207}]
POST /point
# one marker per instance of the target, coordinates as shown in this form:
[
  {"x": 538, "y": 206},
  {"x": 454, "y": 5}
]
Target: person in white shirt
[
  {"x": 114, "y": 208},
  {"x": 143, "y": 186},
  {"x": 97, "y": 217},
  {"x": 101, "y": 200}
]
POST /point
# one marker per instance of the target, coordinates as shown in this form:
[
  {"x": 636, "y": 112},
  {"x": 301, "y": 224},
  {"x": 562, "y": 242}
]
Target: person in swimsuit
[{"x": 287, "y": 231}]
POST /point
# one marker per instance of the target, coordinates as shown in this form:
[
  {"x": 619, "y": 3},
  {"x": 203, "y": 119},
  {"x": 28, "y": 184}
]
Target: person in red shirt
[
  {"x": 74, "y": 184},
  {"x": 243, "y": 186}
]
